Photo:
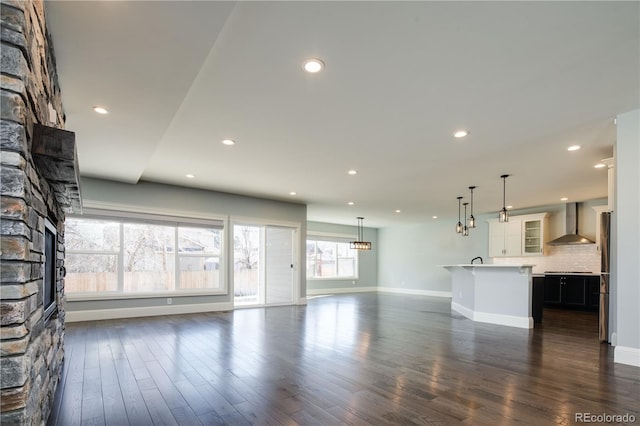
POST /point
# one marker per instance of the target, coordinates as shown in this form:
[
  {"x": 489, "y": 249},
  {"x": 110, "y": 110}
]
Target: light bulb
[{"x": 504, "y": 215}]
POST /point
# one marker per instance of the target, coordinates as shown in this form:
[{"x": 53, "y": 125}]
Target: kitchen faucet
[{"x": 477, "y": 258}]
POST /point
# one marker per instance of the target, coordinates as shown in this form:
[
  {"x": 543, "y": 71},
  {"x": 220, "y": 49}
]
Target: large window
[
  {"x": 93, "y": 248},
  {"x": 330, "y": 257},
  {"x": 107, "y": 256}
]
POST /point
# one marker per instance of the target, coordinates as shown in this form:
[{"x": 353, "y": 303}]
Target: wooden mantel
[{"x": 54, "y": 153}]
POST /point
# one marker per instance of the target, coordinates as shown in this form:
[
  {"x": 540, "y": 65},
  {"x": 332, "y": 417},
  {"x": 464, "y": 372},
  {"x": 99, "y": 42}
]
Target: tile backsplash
[{"x": 582, "y": 258}]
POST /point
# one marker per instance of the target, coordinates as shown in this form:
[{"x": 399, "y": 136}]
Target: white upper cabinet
[
  {"x": 523, "y": 235},
  {"x": 505, "y": 239}
]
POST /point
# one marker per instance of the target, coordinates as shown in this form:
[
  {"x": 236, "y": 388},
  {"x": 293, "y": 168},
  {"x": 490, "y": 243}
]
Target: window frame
[
  {"x": 316, "y": 236},
  {"x": 50, "y": 271},
  {"x": 124, "y": 217}
]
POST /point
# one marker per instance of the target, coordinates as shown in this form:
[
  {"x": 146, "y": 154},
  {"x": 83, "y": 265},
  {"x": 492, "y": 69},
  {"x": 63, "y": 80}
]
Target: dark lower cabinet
[
  {"x": 572, "y": 291},
  {"x": 537, "y": 299},
  {"x": 553, "y": 290},
  {"x": 575, "y": 291}
]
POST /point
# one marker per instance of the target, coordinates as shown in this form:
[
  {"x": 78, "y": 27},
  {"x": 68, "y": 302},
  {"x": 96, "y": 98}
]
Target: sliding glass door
[
  {"x": 248, "y": 262},
  {"x": 263, "y": 269}
]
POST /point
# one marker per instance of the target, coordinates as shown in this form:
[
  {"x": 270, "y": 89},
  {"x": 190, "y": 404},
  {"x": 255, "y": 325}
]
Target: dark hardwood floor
[{"x": 347, "y": 359}]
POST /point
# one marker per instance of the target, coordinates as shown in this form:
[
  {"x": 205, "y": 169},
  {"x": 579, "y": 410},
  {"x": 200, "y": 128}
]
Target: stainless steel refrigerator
[{"x": 605, "y": 248}]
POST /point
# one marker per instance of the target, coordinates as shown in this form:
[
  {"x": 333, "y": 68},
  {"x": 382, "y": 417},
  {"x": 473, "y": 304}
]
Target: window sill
[
  {"x": 332, "y": 279},
  {"x": 75, "y": 297}
]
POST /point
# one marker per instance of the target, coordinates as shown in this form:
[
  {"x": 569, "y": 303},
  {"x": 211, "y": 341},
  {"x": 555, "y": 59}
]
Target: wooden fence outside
[{"x": 140, "y": 282}]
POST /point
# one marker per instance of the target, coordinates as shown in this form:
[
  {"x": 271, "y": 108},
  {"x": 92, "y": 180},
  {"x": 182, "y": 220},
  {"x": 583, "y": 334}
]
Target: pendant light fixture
[
  {"x": 360, "y": 244},
  {"x": 472, "y": 220},
  {"x": 465, "y": 228},
  {"x": 459, "y": 224},
  {"x": 503, "y": 216}
]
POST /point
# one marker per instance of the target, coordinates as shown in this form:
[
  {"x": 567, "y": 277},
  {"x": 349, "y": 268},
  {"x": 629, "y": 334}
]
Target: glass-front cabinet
[
  {"x": 522, "y": 235},
  {"x": 533, "y": 234},
  {"x": 532, "y": 237}
]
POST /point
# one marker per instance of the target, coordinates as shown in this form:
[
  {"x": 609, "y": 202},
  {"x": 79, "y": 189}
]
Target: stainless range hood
[{"x": 572, "y": 237}]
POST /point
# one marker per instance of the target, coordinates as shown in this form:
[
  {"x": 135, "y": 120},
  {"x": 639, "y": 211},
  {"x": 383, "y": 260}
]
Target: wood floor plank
[
  {"x": 135, "y": 405},
  {"x": 158, "y": 410},
  {"x": 196, "y": 402},
  {"x": 70, "y": 408},
  {"x": 212, "y": 395},
  {"x": 258, "y": 415},
  {"x": 76, "y": 363},
  {"x": 92, "y": 411},
  {"x": 363, "y": 359}
]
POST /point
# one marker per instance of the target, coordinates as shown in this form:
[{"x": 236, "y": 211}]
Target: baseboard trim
[
  {"x": 145, "y": 311},
  {"x": 463, "y": 310},
  {"x": 508, "y": 320},
  {"x": 626, "y": 355},
  {"x": 339, "y": 290},
  {"x": 149, "y": 311},
  {"x": 415, "y": 292},
  {"x": 499, "y": 319}
]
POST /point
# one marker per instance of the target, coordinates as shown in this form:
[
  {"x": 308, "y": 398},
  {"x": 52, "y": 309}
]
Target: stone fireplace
[{"x": 39, "y": 184}]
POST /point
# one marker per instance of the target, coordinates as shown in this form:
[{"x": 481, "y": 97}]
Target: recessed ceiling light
[
  {"x": 228, "y": 142},
  {"x": 189, "y": 176},
  {"x": 509, "y": 207},
  {"x": 293, "y": 193},
  {"x": 352, "y": 172},
  {"x": 461, "y": 134},
  {"x": 434, "y": 217},
  {"x": 574, "y": 148},
  {"x": 351, "y": 203},
  {"x": 313, "y": 66},
  {"x": 600, "y": 165},
  {"x": 564, "y": 199},
  {"x": 100, "y": 110},
  {"x": 398, "y": 211}
]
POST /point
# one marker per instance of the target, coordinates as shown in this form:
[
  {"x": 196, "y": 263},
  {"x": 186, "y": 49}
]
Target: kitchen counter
[
  {"x": 588, "y": 274},
  {"x": 487, "y": 266},
  {"x": 496, "y": 294}
]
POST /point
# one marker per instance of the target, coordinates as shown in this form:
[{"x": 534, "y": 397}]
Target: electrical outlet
[
  {"x": 169, "y": 301},
  {"x": 353, "y": 282}
]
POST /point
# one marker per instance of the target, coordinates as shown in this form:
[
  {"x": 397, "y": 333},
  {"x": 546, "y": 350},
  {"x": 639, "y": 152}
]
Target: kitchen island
[{"x": 496, "y": 294}]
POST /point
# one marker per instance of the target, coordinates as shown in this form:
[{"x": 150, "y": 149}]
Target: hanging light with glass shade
[
  {"x": 465, "y": 228},
  {"x": 459, "y": 224},
  {"x": 472, "y": 220},
  {"x": 503, "y": 216},
  {"x": 360, "y": 244}
]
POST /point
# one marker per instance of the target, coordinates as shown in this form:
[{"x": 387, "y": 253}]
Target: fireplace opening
[{"x": 49, "y": 279}]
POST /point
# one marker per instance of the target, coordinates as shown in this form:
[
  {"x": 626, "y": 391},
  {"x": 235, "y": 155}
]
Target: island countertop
[{"x": 485, "y": 265}]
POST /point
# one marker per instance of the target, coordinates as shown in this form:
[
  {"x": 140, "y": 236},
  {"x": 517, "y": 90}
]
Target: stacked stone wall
[{"x": 31, "y": 346}]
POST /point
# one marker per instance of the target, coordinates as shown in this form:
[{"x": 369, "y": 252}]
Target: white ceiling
[{"x": 528, "y": 79}]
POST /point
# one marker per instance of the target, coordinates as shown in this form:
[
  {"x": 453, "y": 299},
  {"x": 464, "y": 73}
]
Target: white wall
[
  {"x": 626, "y": 238},
  {"x": 411, "y": 255}
]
